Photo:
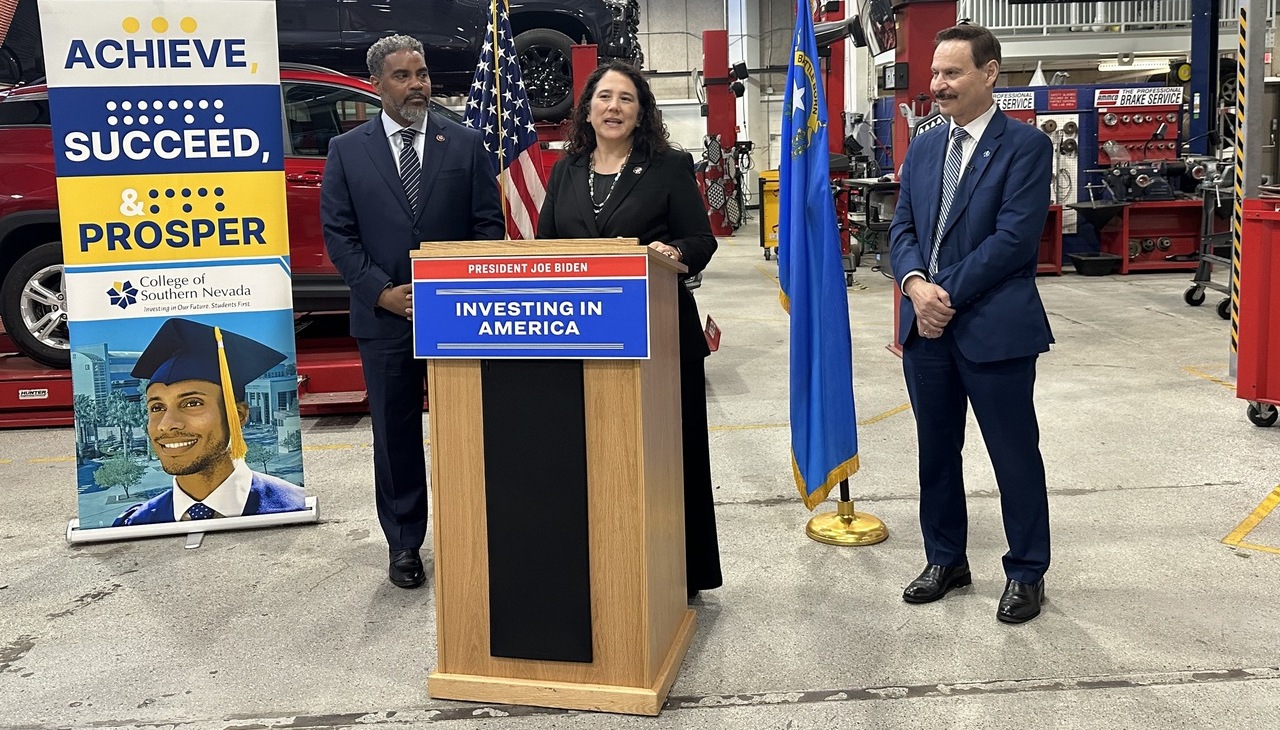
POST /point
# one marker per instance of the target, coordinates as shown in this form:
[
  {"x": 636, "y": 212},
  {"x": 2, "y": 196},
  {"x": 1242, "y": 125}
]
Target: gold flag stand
[{"x": 845, "y": 527}]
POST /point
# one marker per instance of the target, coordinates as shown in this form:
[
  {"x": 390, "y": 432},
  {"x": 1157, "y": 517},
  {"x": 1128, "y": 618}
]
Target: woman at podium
[{"x": 620, "y": 177}]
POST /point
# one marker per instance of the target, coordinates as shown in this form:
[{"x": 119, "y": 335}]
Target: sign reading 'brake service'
[{"x": 1152, "y": 96}]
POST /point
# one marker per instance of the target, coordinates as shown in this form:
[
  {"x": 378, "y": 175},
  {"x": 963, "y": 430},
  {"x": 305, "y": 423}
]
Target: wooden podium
[{"x": 528, "y": 453}]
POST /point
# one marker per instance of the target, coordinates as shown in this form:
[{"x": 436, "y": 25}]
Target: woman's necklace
[{"x": 591, "y": 182}]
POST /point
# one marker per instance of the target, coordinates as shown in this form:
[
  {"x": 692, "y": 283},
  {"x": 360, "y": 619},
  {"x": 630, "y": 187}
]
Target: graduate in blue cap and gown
[{"x": 198, "y": 375}]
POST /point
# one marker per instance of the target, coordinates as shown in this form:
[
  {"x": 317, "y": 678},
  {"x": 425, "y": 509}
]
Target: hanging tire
[
  {"x": 1263, "y": 414},
  {"x": 546, "y": 67},
  {"x": 1193, "y": 296},
  {"x": 1224, "y": 309},
  {"x": 33, "y": 304}
]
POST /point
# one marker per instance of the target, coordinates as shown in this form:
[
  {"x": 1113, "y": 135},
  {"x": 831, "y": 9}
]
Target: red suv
[{"x": 319, "y": 104}]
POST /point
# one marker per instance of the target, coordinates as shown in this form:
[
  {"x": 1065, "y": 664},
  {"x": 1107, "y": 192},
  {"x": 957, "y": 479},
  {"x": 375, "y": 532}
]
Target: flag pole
[
  {"x": 813, "y": 294},
  {"x": 497, "y": 102},
  {"x": 845, "y": 527}
]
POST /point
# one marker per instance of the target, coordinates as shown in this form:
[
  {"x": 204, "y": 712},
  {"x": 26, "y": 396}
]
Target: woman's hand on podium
[{"x": 668, "y": 251}]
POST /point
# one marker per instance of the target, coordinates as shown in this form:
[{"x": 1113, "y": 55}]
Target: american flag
[
  {"x": 498, "y": 106},
  {"x": 7, "y": 9}
]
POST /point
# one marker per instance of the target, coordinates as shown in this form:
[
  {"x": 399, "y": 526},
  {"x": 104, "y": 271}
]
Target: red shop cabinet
[
  {"x": 1258, "y": 344},
  {"x": 1157, "y": 235}
]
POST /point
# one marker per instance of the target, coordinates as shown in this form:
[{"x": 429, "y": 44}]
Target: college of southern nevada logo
[
  {"x": 122, "y": 294},
  {"x": 804, "y": 100}
]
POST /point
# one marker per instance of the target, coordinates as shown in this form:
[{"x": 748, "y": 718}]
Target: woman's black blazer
[{"x": 656, "y": 199}]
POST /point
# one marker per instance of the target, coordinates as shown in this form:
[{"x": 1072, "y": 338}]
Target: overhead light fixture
[{"x": 1136, "y": 64}]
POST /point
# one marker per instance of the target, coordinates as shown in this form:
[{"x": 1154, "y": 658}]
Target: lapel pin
[
  {"x": 440, "y": 138},
  {"x": 637, "y": 170},
  {"x": 986, "y": 153}
]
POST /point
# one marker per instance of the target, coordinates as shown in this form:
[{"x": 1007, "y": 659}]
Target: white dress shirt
[
  {"x": 228, "y": 499},
  {"x": 392, "y": 131}
]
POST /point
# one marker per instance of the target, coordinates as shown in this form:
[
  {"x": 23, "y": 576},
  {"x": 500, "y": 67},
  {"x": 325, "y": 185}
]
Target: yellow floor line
[
  {"x": 886, "y": 414},
  {"x": 6, "y": 461},
  {"x": 772, "y": 275},
  {"x": 1246, "y": 526},
  {"x": 51, "y": 459},
  {"x": 1260, "y": 548},
  {"x": 1212, "y": 379},
  {"x": 747, "y": 427},
  {"x": 755, "y": 426}
]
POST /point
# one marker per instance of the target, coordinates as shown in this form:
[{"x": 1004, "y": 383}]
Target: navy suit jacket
[
  {"x": 990, "y": 241},
  {"x": 267, "y": 494},
  {"x": 369, "y": 228}
]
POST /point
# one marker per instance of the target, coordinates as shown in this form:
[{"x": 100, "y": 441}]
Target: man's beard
[
  {"x": 412, "y": 112},
  {"x": 206, "y": 461}
]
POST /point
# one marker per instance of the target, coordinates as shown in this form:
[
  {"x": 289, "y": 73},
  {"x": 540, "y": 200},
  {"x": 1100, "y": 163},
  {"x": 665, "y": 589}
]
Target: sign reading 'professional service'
[{"x": 531, "y": 307}]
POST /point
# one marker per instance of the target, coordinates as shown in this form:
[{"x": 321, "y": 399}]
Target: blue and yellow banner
[
  {"x": 824, "y": 438},
  {"x": 169, "y": 151}
]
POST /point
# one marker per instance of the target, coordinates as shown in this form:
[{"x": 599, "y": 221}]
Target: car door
[{"x": 315, "y": 113}]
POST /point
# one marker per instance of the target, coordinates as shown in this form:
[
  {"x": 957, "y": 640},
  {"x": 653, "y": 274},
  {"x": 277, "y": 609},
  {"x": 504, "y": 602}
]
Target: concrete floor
[{"x": 1152, "y": 621}]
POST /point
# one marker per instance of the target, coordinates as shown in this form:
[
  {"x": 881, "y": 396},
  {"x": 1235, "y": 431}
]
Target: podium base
[{"x": 569, "y": 695}]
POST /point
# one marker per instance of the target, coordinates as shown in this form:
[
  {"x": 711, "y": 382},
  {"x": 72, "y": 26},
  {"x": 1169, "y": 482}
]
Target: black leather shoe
[
  {"x": 935, "y": 581},
  {"x": 1020, "y": 602},
  {"x": 406, "y": 569}
]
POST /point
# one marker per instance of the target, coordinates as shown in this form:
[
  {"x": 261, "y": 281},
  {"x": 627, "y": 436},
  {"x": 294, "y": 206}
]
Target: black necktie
[{"x": 410, "y": 168}]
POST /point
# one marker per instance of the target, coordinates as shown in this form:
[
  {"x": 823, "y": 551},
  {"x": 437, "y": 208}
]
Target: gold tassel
[{"x": 237, "y": 444}]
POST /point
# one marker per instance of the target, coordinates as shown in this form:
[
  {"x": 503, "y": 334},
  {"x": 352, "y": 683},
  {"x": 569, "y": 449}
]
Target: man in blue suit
[
  {"x": 965, "y": 239},
  {"x": 401, "y": 178},
  {"x": 195, "y": 426}
]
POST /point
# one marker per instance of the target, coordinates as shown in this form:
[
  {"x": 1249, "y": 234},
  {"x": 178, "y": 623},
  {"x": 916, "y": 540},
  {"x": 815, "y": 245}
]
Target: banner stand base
[{"x": 193, "y": 528}]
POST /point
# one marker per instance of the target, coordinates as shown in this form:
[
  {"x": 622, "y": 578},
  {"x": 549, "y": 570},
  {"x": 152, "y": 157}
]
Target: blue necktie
[
  {"x": 200, "y": 511},
  {"x": 950, "y": 181},
  {"x": 410, "y": 168}
]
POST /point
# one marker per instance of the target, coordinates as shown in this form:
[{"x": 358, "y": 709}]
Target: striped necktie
[
  {"x": 410, "y": 168},
  {"x": 950, "y": 181}
]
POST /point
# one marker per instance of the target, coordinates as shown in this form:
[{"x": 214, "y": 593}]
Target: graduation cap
[{"x": 187, "y": 350}]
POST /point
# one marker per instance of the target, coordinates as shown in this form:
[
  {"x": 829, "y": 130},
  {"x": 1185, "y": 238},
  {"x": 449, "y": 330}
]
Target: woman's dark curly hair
[{"x": 650, "y": 135}]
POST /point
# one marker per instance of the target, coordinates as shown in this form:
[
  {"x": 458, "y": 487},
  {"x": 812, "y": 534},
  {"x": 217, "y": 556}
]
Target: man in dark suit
[
  {"x": 965, "y": 239},
  {"x": 399, "y": 179},
  {"x": 190, "y": 424}
]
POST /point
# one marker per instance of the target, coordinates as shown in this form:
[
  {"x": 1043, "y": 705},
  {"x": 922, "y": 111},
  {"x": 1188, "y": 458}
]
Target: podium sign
[{"x": 532, "y": 307}]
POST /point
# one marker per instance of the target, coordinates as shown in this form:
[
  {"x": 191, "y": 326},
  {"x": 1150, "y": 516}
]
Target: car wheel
[
  {"x": 34, "y": 306},
  {"x": 546, "y": 66}
]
